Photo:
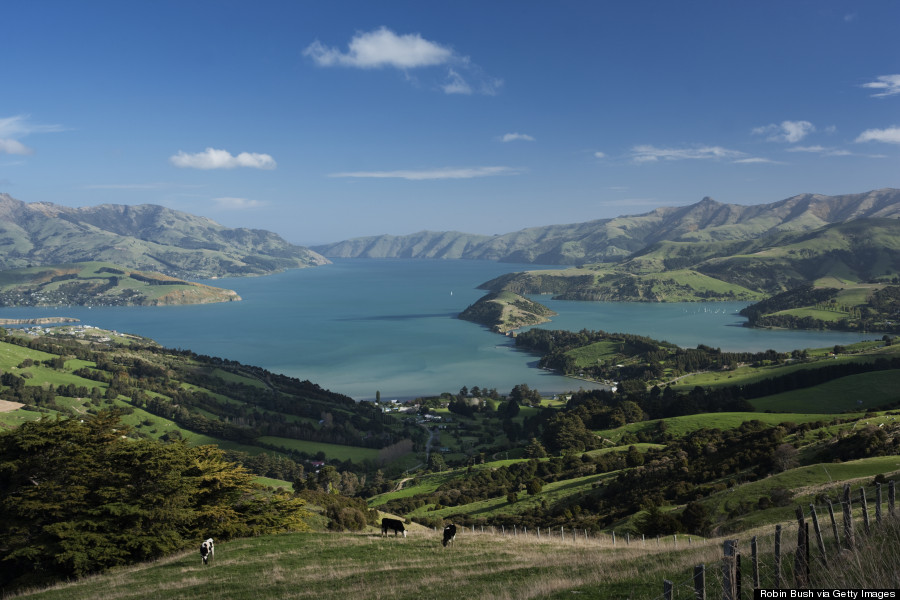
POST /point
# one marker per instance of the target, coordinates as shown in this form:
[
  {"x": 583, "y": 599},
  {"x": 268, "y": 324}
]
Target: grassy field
[
  {"x": 679, "y": 426},
  {"x": 341, "y": 566},
  {"x": 477, "y": 566},
  {"x": 332, "y": 451},
  {"x": 856, "y": 392},
  {"x": 861, "y": 352},
  {"x": 804, "y": 483}
]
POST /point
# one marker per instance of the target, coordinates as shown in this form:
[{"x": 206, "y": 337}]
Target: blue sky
[{"x": 323, "y": 121}]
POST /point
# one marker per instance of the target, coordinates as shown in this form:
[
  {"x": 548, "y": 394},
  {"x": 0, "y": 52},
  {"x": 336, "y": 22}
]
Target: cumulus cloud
[
  {"x": 889, "y": 85},
  {"x": 891, "y": 135},
  {"x": 442, "y": 173},
  {"x": 517, "y": 137},
  {"x": 19, "y": 126},
  {"x": 599, "y": 154},
  {"x": 231, "y": 203},
  {"x": 222, "y": 159},
  {"x": 383, "y": 48},
  {"x": 787, "y": 131},
  {"x": 648, "y": 153}
]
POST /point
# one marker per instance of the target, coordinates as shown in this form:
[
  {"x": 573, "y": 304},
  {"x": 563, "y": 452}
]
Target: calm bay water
[{"x": 360, "y": 326}]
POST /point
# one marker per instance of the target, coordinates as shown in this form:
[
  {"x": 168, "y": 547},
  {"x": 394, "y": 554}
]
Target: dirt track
[{"x": 6, "y": 405}]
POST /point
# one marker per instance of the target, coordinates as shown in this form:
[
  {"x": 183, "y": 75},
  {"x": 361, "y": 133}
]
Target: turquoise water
[{"x": 360, "y": 326}]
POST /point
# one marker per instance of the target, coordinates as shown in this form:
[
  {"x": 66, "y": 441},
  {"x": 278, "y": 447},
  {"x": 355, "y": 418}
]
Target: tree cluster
[{"x": 79, "y": 496}]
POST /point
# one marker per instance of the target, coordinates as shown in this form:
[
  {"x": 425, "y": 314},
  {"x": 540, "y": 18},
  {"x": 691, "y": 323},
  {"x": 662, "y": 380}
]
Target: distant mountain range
[
  {"x": 611, "y": 240},
  {"x": 144, "y": 237}
]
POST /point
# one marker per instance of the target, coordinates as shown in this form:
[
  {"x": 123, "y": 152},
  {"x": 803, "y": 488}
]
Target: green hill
[
  {"x": 608, "y": 240},
  {"x": 145, "y": 237},
  {"x": 101, "y": 284}
]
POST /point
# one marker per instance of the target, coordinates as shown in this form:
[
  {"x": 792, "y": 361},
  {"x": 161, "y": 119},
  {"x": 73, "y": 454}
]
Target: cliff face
[{"x": 146, "y": 237}]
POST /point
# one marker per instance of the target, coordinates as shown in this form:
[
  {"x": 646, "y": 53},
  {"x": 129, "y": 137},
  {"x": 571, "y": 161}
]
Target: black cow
[
  {"x": 395, "y": 525},
  {"x": 449, "y": 534}
]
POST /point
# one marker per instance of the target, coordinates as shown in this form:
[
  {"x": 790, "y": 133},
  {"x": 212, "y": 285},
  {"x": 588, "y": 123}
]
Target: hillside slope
[
  {"x": 102, "y": 284},
  {"x": 145, "y": 237},
  {"x": 613, "y": 239}
]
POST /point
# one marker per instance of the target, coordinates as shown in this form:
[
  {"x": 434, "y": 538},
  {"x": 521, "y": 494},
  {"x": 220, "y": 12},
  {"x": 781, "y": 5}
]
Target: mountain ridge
[
  {"x": 145, "y": 237},
  {"x": 604, "y": 240}
]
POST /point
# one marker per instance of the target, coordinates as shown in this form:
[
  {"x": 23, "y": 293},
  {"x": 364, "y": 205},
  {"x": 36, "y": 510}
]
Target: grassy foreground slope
[{"x": 478, "y": 566}]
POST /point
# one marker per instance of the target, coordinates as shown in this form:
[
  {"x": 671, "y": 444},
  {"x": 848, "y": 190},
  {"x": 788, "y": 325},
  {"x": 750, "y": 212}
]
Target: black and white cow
[
  {"x": 207, "y": 549},
  {"x": 395, "y": 525},
  {"x": 449, "y": 534}
]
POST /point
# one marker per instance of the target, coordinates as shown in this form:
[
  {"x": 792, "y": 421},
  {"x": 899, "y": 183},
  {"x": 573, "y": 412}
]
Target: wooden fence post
[
  {"x": 627, "y": 538},
  {"x": 700, "y": 582},
  {"x": 562, "y": 533},
  {"x": 878, "y": 504},
  {"x": 848, "y": 517},
  {"x": 778, "y": 556},
  {"x": 865, "y": 508},
  {"x": 891, "y": 497},
  {"x": 821, "y": 542},
  {"x": 668, "y": 589},
  {"x": 754, "y": 557},
  {"x": 800, "y": 560},
  {"x": 729, "y": 570},
  {"x": 837, "y": 538},
  {"x": 614, "y": 537}
]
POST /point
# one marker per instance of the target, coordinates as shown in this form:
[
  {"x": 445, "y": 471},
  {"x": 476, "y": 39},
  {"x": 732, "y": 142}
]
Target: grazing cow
[
  {"x": 207, "y": 550},
  {"x": 394, "y": 524},
  {"x": 449, "y": 534}
]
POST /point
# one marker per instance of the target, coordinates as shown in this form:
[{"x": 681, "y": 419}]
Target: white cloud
[
  {"x": 19, "y": 126},
  {"x": 599, "y": 155},
  {"x": 222, "y": 159},
  {"x": 517, "y": 137},
  {"x": 823, "y": 150},
  {"x": 442, "y": 173},
  {"x": 755, "y": 160},
  {"x": 10, "y": 146},
  {"x": 889, "y": 84},
  {"x": 456, "y": 84},
  {"x": 231, "y": 203},
  {"x": 788, "y": 131},
  {"x": 159, "y": 185},
  {"x": 891, "y": 135},
  {"x": 384, "y": 48},
  {"x": 648, "y": 153}
]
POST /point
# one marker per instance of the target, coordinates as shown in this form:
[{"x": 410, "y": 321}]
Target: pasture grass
[
  {"x": 361, "y": 566},
  {"x": 804, "y": 483},
  {"x": 680, "y": 426},
  {"x": 332, "y": 451},
  {"x": 864, "y": 352},
  {"x": 851, "y": 393}
]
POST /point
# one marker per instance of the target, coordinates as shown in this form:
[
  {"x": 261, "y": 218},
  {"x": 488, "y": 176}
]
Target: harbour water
[{"x": 360, "y": 326}]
